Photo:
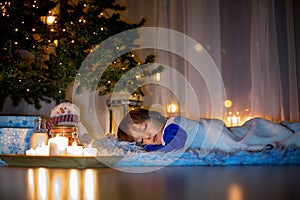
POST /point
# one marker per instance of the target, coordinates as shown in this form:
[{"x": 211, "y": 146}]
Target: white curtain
[
  {"x": 252, "y": 43},
  {"x": 273, "y": 68}
]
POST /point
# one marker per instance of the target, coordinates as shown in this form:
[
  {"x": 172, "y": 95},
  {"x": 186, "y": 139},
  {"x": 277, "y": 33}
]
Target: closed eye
[{"x": 140, "y": 141}]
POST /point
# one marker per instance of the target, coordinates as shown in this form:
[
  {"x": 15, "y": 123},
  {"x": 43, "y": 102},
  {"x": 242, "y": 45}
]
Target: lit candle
[
  {"x": 234, "y": 120},
  {"x": 58, "y": 145},
  {"x": 42, "y": 150},
  {"x": 74, "y": 150},
  {"x": 229, "y": 121},
  {"x": 238, "y": 118},
  {"x": 90, "y": 151}
]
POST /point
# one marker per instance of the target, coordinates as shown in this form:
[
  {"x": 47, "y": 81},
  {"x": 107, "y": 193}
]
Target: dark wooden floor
[{"x": 169, "y": 183}]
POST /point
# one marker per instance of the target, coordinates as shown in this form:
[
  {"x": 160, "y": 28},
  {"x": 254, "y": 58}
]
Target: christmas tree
[{"x": 44, "y": 42}]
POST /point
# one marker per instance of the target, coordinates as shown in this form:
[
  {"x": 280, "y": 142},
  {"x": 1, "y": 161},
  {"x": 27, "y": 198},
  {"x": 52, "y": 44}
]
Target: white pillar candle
[
  {"x": 90, "y": 151},
  {"x": 75, "y": 150},
  {"x": 58, "y": 145}
]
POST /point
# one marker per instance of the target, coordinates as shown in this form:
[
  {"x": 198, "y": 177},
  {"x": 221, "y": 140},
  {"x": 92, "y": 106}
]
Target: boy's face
[{"x": 147, "y": 132}]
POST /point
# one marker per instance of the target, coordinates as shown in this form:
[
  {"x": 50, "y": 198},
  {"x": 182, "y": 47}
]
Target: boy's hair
[{"x": 137, "y": 116}]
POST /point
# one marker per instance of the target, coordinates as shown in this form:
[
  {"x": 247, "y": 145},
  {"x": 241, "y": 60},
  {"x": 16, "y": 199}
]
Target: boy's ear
[{"x": 145, "y": 123}]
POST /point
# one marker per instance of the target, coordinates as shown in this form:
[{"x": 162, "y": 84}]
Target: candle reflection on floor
[
  {"x": 89, "y": 184},
  {"x": 30, "y": 180},
  {"x": 42, "y": 183},
  {"x": 56, "y": 184},
  {"x": 235, "y": 192},
  {"x": 74, "y": 184}
]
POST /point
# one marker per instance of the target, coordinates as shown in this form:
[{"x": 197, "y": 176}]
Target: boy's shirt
[{"x": 173, "y": 138}]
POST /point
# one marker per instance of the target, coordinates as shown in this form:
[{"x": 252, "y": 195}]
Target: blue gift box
[
  {"x": 14, "y": 140},
  {"x": 15, "y": 133},
  {"x": 17, "y": 121}
]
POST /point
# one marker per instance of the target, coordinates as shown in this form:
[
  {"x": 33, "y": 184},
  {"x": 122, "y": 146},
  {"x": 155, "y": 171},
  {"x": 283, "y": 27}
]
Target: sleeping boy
[{"x": 153, "y": 132}]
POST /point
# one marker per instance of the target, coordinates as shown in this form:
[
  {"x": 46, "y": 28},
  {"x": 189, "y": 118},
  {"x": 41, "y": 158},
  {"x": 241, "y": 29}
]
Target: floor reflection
[
  {"x": 171, "y": 183},
  {"x": 42, "y": 178},
  {"x": 56, "y": 184},
  {"x": 57, "y": 191},
  {"x": 235, "y": 192}
]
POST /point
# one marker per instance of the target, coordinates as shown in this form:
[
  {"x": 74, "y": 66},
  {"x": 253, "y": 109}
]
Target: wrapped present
[
  {"x": 17, "y": 121},
  {"x": 14, "y": 140},
  {"x": 15, "y": 133}
]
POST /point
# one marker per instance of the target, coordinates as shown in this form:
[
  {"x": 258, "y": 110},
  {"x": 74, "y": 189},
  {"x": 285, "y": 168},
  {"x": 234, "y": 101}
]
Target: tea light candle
[
  {"x": 90, "y": 151},
  {"x": 30, "y": 152},
  {"x": 58, "y": 145},
  {"x": 74, "y": 150},
  {"x": 42, "y": 150}
]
